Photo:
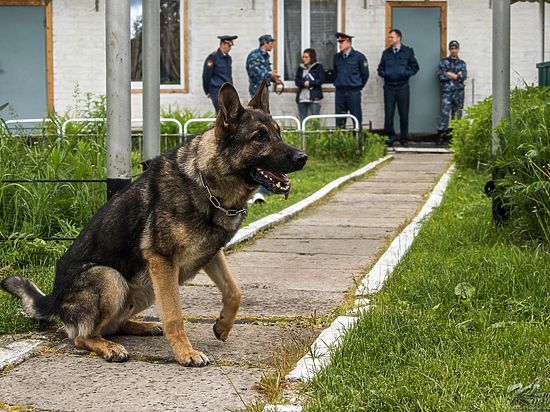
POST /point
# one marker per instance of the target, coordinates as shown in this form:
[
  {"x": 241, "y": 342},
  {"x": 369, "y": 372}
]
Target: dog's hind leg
[
  {"x": 165, "y": 284},
  {"x": 93, "y": 309},
  {"x": 218, "y": 271},
  {"x": 131, "y": 327}
]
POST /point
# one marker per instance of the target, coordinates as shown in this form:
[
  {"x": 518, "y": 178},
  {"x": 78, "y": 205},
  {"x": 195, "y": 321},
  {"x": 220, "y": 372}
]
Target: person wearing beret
[
  {"x": 217, "y": 70},
  {"x": 451, "y": 72},
  {"x": 397, "y": 65},
  {"x": 351, "y": 72}
]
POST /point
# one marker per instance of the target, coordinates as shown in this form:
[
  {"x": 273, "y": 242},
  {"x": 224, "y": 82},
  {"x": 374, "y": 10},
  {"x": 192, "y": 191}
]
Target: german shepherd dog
[{"x": 161, "y": 230}]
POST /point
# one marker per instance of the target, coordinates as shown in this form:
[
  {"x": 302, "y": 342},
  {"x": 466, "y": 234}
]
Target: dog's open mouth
[{"x": 274, "y": 182}]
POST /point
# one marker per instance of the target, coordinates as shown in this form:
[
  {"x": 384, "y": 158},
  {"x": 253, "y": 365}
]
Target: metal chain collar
[{"x": 216, "y": 203}]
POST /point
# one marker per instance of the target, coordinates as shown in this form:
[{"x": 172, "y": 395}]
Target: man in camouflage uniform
[
  {"x": 451, "y": 72},
  {"x": 258, "y": 65}
]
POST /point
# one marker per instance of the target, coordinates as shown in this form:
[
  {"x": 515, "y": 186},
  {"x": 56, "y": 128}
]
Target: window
[
  {"x": 172, "y": 69},
  {"x": 306, "y": 24}
]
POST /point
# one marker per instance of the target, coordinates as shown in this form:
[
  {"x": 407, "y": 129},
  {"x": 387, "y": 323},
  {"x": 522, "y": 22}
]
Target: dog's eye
[{"x": 260, "y": 135}]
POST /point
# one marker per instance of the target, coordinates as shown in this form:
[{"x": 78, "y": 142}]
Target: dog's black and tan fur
[{"x": 161, "y": 230}]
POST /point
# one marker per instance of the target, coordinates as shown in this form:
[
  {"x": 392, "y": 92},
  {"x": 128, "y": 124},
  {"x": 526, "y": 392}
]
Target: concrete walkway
[{"x": 291, "y": 278}]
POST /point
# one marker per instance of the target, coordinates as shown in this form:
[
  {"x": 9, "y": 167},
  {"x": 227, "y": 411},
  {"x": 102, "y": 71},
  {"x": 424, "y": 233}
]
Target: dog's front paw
[
  {"x": 115, "y": 353},
  {"x": 192, "y": 358}
]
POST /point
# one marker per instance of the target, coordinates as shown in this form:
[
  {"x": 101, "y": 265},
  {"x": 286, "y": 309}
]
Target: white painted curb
[
  {"x": 16, "y": 352},
  {"x": 377, "y": 276},
  {"x": 320, "y": 352},
  {"x": 251, "y": 230}
]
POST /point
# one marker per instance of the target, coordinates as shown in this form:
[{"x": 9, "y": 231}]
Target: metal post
[
  {"x": 117, "y": 27},
  {"x": 151, "y": 79},
  {"x": 542, "y": 34},
  {"x": 501, "y": 66}
]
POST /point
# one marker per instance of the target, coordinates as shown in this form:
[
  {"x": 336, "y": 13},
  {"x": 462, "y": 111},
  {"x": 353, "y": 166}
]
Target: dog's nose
[{"x": 300, "y": 159}]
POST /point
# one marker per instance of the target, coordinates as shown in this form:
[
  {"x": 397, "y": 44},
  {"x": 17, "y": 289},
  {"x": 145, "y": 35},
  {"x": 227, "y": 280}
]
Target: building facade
[{"x": 74, "y": 48}]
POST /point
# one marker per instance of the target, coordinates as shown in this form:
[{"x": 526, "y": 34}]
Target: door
[
  {"x": 422, "y": 30},
  {"x": 23, "y": 80}
]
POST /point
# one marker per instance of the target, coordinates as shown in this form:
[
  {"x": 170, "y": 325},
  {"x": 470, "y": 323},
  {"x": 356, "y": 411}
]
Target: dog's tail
[{"x": 35, "y": 304}]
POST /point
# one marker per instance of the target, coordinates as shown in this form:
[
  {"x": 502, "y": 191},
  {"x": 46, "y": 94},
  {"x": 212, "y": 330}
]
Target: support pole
[
  {"x": 119, "y": 146},
  {"x": 151, "y": 79},
  {"x": 542, "y": 34},
  {"x": 501, "y": 66}
]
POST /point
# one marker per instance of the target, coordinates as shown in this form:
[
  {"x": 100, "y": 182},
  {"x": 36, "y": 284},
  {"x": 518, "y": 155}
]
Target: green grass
[
  {"x": 61, "y": 209},
  {"x": 427, "y": 345}
]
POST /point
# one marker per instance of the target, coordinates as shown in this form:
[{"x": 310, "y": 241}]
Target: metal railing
[
  {"x": 355, "y": 130},
  {"x": 102, "y": 119},
  {"x": 198, "y": 120},
  {"x": 42, "y": 122},
  {"x": 213, "y": 119}
]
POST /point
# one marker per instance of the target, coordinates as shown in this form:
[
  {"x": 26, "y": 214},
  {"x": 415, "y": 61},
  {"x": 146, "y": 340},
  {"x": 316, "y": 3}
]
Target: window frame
[
  {"x": 279, "y": 34},
  {"x": 183, "y": 87}
]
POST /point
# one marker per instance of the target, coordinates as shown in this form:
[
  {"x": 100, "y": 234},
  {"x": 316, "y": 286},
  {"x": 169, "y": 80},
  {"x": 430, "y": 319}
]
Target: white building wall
[{"x": 79, "y": 55}]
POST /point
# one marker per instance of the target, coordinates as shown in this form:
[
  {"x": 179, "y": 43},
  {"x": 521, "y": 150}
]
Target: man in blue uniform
[
  {"x": 351, "y": 72},
  {"x": 217, "y": 70},
  {"x": 258, "y": 65},
  {"x": 396, "y": 66},
  {"x": 451, "y": 72}
]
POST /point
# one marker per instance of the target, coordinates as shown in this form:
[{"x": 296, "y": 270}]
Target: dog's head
[{"x": 250, "y": 141}]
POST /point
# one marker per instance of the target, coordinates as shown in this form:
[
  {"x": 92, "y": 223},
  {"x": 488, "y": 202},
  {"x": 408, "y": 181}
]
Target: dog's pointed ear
[
  {"x": 260, "y": 100},
  {"x": 230, "y": 105}
]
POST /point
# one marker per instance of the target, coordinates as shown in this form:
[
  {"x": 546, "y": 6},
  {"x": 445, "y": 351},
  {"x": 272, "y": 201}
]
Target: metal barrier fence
[{"x": 182, "y": 132}]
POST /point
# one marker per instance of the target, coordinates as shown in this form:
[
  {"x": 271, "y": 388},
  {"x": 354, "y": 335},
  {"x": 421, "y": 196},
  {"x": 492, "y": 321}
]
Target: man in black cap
[
  {"x": 451, "y": 72},
  {"x": 217, "y": 70},
  {"x": 396, "y": 66},
  {"x": 351, "y": 72},
  {"x": 258, "y": 65}
]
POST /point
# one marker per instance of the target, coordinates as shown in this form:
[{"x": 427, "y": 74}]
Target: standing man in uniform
[
  {"x": 258, "y": 65},
  {"x": 451, "y": 72},
  {"x": 396, "y": 66},
  {"x": 351, "y": 72},
  {"x": 217, "y": 70}
]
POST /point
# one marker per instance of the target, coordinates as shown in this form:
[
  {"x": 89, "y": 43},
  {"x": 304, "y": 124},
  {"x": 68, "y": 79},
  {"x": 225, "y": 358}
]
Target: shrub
[{"x": 522, "y": 165}]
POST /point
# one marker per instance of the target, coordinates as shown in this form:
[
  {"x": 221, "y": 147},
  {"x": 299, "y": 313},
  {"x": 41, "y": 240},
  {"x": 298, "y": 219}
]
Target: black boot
[{"x": 440, "y": 138}]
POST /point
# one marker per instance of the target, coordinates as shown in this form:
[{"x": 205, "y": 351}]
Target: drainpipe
[{"x": 117, "y": 27}]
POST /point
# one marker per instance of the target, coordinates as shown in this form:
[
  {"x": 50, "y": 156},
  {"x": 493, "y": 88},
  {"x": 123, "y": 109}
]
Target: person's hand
[
  {"x": 275, "y": 74},
  {"x": 452, "y": 75},
  {"x": 278, "y": 80},
  {"x": 306, "y": 83}
]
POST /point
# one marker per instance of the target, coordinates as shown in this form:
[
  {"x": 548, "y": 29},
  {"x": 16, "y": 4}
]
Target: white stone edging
[
  {"x": 319, "y": 354},
  {"x": 254, "y": 228},
  {"x": 16, "y": 352}
]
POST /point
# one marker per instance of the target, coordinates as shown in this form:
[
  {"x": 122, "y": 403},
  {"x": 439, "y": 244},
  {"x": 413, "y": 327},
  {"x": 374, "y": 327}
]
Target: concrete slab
[
  {"x": 236, "y": 351},
  {"x": 357, "y": 247},
  {"x": 262, "y": 300},
  {"x": 392, "y": 187},
  {"x": 326, "y": 218},
  {"x": 312, "y": 231},
  {"x": 376, "y": 198},
  {"x": 86, "y": 383},
  {"x": 293, "y": 263}
]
